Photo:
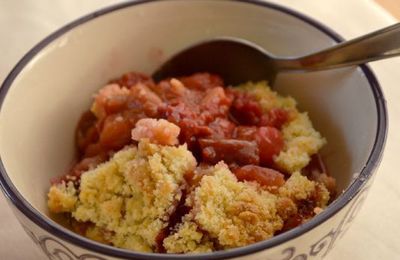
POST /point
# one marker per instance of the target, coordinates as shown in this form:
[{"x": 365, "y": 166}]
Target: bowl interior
[{"x": 46, "y": 98}]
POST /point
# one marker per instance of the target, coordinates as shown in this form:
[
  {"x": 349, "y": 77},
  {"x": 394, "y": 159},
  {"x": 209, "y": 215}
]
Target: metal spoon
[{"x": 238, "y": 60}]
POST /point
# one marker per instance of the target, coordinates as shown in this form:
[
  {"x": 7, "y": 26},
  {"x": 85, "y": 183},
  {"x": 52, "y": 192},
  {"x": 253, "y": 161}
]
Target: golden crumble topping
[
  {"x": 187, "y": 238},
  {"x": 235, "y": 213},
  {"x": 151, "y": 188},
  {"x": 268, "y": 98},
  {"x": 301, "y": 141},
  {"x": 62, "y": 197},
  {"x": 131, "y": 195}
]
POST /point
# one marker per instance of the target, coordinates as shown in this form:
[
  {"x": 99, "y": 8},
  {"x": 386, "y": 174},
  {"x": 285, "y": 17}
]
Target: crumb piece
[
  {"x": 328, "y": 181},
  {"x": 188, "y": 239},
  {"x": 268, "y": 98},
  {"x": 318, "y": 210},
  {"x": 297, "y": 187},
  {"x": 158, "y": 131},
  {"x": 102, "y": 190},
  {"x": 301, "y": 141},
  {"x": 232, "y": 212},
  {"x": 62, "y": 197},
  {"x": 286, "y": 207},
  {"x": 322, "y": 195}
]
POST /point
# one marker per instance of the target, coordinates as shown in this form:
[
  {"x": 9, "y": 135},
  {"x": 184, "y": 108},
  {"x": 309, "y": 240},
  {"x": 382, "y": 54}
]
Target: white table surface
[{"x": 375, "y": 232}]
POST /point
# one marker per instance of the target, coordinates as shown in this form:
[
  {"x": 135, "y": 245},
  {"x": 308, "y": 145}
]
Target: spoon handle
[{"x": 381, "y": 44}]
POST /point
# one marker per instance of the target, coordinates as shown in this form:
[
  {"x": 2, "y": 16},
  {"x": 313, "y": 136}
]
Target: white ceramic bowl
[{"x": 44, "y": 95}]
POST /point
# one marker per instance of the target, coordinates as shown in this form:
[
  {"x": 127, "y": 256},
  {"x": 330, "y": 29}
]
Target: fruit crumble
[{"x": 190, "y": 165}]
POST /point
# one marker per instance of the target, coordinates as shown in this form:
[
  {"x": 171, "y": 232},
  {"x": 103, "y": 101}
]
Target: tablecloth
[{"x": 373, "y": 235}]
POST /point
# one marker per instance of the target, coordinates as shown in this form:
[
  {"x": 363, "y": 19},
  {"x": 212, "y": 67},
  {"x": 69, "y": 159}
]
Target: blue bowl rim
[{"x": 374, "y": 159}]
